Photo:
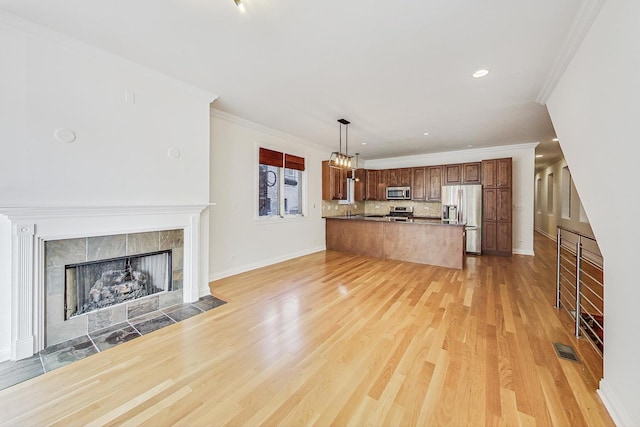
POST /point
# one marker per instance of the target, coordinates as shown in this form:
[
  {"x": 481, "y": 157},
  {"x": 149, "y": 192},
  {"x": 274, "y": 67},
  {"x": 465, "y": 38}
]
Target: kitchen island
[{"x": 424, "y": 241}]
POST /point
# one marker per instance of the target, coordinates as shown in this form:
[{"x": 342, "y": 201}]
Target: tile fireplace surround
[{"x": 55, "y": 235}]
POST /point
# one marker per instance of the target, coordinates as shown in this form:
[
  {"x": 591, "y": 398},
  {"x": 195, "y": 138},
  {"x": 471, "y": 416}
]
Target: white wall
[
  {"x": 238, "y": 240},
  {"x": 5, "y": 277},
  {"x": 49, "y": 81},
  {"x": 595, "y": 113},
  {"x": 120, "y": 155},
  {"x": 546, "y": 222},
  {"x": 523, "y": 170}
]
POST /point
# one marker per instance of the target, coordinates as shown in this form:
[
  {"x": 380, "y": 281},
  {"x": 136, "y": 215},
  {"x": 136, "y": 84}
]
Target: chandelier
[{"x": 338, "y": 159}]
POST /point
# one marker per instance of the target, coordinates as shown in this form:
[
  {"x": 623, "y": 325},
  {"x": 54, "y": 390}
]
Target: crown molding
[
  {"x": 38, "y": 31},
  {"x": 219, "y": 114},
  {"x": 433, "y": 158},
  {"x": 586, "y": 16}
]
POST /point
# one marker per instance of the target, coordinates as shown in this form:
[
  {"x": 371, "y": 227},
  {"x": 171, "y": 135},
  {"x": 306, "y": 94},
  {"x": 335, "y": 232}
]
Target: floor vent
[{"x": 566, "y": 352}]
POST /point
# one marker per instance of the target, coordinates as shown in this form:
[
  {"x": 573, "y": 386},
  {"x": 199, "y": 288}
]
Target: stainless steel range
[{"x": 400, "y": 213}]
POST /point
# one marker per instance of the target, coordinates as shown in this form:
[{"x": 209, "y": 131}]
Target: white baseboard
[
  {"x": 5, "y": 354},
  {"x": 612, "y": 404},
  {"x": 544, "y": 233},
  {"x": 260, "y": 264},
  {"x": 522, "y": 252}
]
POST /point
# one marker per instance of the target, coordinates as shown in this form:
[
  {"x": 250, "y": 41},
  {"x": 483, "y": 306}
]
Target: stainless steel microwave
[{"x": 398, "y": 193}]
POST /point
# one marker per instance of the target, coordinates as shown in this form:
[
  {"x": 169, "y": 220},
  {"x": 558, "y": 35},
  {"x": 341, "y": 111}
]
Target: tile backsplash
[{"x": 333, "y": 208}]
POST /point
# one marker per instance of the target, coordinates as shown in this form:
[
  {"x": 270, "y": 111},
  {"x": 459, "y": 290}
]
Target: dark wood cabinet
[
  {"x": 433, "y": 183},
  {"x": 496, "y": 173},
  {"x": 371, "y": 186},
  {"x": 334, "y": 182},
  {"x": 359, "y": 192},
  {"x": 503, "y": 205},
  {"x": 400, "y": 177},
  {"x": 489, "y": 237},
  {"x": 393, "y": 177},
  {"x": 497, "y": 227},
  {"x": 418, "y": 184},
  {"x": 489, "y": 204},
  {"x": 471, "y": 173},
  {"x": 496, "y": 204},
  {"x": 405, "y": 177},
  {"x": 382, "y": 184},
  {"x": 452, "y": 174}
]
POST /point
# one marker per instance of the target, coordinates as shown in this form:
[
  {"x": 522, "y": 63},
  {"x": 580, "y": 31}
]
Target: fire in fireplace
[{"x": 90, "y": 286}]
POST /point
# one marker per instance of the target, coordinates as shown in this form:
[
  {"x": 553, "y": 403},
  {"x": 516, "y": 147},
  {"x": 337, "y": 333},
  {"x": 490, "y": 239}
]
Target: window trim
[{"x": 256, "y": 198}]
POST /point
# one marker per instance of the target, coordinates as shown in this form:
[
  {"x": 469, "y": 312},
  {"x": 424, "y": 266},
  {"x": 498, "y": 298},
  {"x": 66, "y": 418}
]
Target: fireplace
[
  {"x": 91, "y": 286},
  {"x": 41, "y": 241}
]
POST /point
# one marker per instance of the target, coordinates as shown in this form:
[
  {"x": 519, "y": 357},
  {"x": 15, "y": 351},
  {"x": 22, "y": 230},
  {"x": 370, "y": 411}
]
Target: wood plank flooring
[{"x": 345, "y": 340}]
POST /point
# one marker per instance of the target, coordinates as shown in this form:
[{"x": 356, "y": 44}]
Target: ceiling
[{"x": 395, "y": 69}]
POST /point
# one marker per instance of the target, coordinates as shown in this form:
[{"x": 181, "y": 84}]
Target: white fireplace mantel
[{"x": 31, "y": 227}]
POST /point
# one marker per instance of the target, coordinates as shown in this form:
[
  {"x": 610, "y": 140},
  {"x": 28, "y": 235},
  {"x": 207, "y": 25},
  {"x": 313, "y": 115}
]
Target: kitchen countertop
[{"x": 378, "y": 218}]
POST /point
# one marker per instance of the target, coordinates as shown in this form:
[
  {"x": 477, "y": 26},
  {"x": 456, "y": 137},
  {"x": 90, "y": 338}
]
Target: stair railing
[{"x": 580, "y": 284}]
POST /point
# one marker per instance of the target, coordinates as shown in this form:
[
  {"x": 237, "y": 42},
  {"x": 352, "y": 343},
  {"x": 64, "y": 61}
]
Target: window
[
  {"x": 583, "y": 214},
  {"x": 565, "y": 200},
  {"x": 550, "y": 194},
  {"x": 280, "y": 183}
]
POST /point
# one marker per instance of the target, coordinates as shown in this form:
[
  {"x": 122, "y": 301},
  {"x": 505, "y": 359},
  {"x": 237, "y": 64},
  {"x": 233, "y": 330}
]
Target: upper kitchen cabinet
[
  {"x": 359, "y": 192},
  {"x": 471, "y": 173},
  {"x": 371, "y": 186},
  {"x": 399, "y": 177},
  {"x": 405, "y": 177},
  {"x": 496, "y": 173},
  {"x": 433, "y": 183},
  {"x": 383, "y": 182},
  {"x": 418, "y": 184},
  {"x": 334, "y": 182},
  {"x": 452, "y": 174}
]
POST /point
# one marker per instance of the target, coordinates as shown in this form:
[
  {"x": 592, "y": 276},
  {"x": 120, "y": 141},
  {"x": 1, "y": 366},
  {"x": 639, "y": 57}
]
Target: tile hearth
[{"x": 62, "y": 354}]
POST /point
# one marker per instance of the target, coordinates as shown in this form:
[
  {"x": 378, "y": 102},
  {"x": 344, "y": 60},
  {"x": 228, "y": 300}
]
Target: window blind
[
  {"x": 293, "y": 162},
  {"x": 271, "y": 158}
]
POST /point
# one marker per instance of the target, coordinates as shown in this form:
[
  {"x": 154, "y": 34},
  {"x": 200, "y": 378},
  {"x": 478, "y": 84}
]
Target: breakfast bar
[{"x": 427, "y": 241}]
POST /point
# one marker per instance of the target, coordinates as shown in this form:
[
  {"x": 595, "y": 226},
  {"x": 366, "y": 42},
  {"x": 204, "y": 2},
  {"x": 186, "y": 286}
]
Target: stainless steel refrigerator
[{"x": 462, "y": 204}]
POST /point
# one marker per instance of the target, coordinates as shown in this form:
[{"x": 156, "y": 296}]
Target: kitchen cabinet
[
  {"x": 382, "y": 184},
  {"x": 471, "y": 173},
  {"x": 359, "y": 192},
  {"x": 433, "y": 183},
  {"x": 393, "y": 177},
  {"x": 418, "y": 184},
  {"x": 371, "y": 186},
  {"x": 497, "y": 227},
  {"x": 496, "y": 204},
  {"x": 399, "y": 177},
  {"x": 405, "y": 177},
  {"x": 452, "y": 174},
  {"x": 496, "y": 173},
  {"x": 334, "y": 182}
]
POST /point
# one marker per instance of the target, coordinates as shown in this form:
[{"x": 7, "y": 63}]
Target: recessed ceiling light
[
  {"x": 480, "y": 73},
  {"x": 555, "y": 140},
  {"x": 469, "y": 146},
  {"x": 364, "y": 143},
  {"x": 426, "y": 133},
  {"x": 538, "y": 155}
]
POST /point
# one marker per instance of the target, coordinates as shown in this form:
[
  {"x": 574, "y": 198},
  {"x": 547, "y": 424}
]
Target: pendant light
[{"x": 338, "y": 159}]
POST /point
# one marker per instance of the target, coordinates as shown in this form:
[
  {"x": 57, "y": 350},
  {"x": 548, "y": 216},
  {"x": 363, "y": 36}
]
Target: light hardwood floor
[{"x": 339, "y": 339}]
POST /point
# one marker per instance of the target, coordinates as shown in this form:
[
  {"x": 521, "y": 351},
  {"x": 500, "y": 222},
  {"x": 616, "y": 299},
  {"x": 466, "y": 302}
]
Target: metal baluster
[
  {"x": 559, "y": 244},
  {"x": 578, "y": 285}
]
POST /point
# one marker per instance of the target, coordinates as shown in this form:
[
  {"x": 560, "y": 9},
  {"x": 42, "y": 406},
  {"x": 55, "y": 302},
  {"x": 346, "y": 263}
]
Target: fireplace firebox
[{"x": 90, "y": 286}]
